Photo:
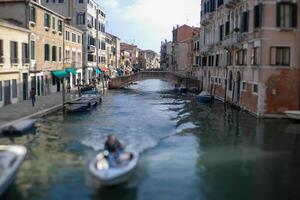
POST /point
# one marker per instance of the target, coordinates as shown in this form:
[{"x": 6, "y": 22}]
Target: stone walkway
[{"x": 16, "y": 111}]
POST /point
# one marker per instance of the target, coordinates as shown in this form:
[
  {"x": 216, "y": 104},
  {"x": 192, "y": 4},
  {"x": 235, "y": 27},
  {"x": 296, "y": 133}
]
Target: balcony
[
  {"x": 203, "y": 49},
  {"x": 233, "y": 40},
  {"x": 25, "y": 61},
  {"x": 231, "y": 3},
  {"x": 91, "y": 49},
  {"x": 76, "y": 65},
  {"x": 207, "y": 18}
]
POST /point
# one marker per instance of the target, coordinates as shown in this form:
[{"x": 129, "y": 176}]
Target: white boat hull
[
  {"x": 11, "y": 158},
  {"x": 113, "y": 176},
  {"x": 293, "y": 114}
]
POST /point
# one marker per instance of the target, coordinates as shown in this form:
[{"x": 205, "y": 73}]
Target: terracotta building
[
  {"x": 133, "y": 51},
  {"x": 249, "y": 54}
]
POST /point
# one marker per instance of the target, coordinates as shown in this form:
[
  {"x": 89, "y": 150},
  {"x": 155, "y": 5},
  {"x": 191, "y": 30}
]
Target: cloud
[
  {"x": 148, "y": 22},
  {"x": 111, "y": 4}
]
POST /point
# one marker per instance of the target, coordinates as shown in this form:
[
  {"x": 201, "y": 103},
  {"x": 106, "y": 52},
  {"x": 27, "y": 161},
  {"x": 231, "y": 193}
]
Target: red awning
[{"x": 104, "y": 69}]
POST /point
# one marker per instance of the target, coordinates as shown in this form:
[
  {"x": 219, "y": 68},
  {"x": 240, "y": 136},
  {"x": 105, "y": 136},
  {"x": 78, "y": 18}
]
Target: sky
[{"x": 148, "y": 22}]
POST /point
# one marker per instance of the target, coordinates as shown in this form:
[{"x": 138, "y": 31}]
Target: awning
[
  {"x": 60, "y": 73},
  {"x": 71, "y": 70},
  {"x": 104, "y": 69},
  {"x": 98, "y": 71}
]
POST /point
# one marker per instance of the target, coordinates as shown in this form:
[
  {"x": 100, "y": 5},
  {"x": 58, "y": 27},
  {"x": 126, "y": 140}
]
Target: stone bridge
[{"x": 122, "y": 81}]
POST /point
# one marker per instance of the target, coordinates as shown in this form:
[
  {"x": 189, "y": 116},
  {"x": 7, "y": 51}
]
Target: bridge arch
[{"x": 122, "y": 81}]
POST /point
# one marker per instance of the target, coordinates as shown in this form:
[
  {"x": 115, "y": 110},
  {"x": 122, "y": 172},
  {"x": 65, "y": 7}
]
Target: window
[
  {"x": 257, "y": 15},
  {"x": 59, "y": 54},
  {"x": 47, "y": 52},
  {"x": 32, "y": 50},
  {"x": 244, "y": 85},
  {"x": 14, "y": 52},
  {"x": 80, "y": 18},
  {"x": 68, "y": 56},
  {"x": 53, "y": 23},
  {"x": 227, "y": 28},
  {"x": 32, "y": 14},
  {"x": 222, "y": 32},
  {"x": 79, "y": 57},
  {"x": 14, "y": 89},
  {"x": 60, "y": 25},
  {"x": 73, "y": 56},
  {"x": 67, "y": 35},
  {"x": 1, "y": 97},
  {"x": 255, "y": 88},
  {"x": 1, "y": 52},
  {"x": 255, "y": 56},
  {"x": 229, "y": 58},
  {"x": 230, "y": 81},
  {"x": 73, "y": 37},
  {"x": 217, "y": 60},
  {"x": 286, "y": 15},
  {"x": 47, "y": 20},
  {"x": 25, "y": 53},
  {"x": 245, "y": 21},
  {"x": 54, "y": 53},
  {"x": 241, "y": 57},
  {"x": 280, "y": 56}
]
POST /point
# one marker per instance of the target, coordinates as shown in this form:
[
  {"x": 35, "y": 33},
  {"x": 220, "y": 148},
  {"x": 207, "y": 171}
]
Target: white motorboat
[
  {"x": 11, "y": 158},
  {"x": 293, "y": 114},
  {"x": 109, "y": 176}
]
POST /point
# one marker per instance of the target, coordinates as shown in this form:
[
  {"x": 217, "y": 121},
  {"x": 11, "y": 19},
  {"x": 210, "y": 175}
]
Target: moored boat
[
  {"x": 19, "y": 127},
  {"x": 293, "y": 114},
  {"x": 109, "y": 176},
  {"x": 205, "y": 97},
  {"x": 11, "y": 158}
]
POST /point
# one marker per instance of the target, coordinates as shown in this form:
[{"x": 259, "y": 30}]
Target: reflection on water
[{"x": 189, "y": 151}]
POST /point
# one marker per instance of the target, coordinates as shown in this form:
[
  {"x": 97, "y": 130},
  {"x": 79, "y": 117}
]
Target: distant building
[
  {"x": 113, "y": 53},
  {"x": 149, "y": 59},
  {"x": 134, "y": 52},
  {"x": 14, "y": 63},
  {"x": 166, "y": 56}
]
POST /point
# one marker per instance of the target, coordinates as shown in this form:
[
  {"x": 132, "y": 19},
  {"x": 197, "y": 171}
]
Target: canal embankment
[{"x": 14, "y": 113}]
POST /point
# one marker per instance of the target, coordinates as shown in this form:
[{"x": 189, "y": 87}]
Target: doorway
[
  {"x": 25, "y": 86},
  {"x": 7, "y": 93}
]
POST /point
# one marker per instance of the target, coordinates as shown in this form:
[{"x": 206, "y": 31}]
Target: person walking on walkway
[{"x": 32, "y": 96}]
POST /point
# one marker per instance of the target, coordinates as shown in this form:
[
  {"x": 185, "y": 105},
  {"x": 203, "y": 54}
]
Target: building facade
[
  {"x": 89, "y": 17},
  {"x": 45, "y": 41},
  {"x": 14, "y": 63},
  {"x": 113, "y": 54},
  {"x": 249, "y": 54},
  {"x": 73, "y": 55},
  {"x": 133, "y": 51}
]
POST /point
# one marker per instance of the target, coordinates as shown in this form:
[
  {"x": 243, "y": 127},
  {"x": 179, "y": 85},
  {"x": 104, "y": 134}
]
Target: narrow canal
[{"x": 188, "y": 151}]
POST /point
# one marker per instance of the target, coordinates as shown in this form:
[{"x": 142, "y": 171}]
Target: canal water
[{"x": 188, "y": 151}]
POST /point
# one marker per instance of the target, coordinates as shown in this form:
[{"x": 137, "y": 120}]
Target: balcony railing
[
  {"x": 231, "y": 3},
  {"x": 233, "y": 40},
  {"x": 25, "y": 60},
  {"x": 14, "y": 60}
]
